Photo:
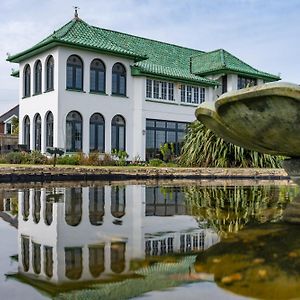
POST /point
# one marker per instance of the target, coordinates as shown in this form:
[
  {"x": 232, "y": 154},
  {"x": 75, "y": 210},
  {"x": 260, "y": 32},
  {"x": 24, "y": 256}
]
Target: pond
[{"x": 149, "y": 240}]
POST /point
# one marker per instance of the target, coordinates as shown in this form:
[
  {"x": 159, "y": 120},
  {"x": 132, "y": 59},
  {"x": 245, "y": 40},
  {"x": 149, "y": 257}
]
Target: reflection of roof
[
  {"x": 10, "y": 113},
  {"x": 151, "y": 57},
  {"x": 154, "y": 277}
]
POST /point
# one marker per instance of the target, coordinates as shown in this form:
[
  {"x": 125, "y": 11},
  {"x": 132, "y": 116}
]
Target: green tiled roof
[
  {"x": 220, "y": 60},
  {"x": 151, "y": 57}
]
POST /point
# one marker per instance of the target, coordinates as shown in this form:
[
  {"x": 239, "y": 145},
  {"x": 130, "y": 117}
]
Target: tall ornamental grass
[{"x": 202, "y": 148}]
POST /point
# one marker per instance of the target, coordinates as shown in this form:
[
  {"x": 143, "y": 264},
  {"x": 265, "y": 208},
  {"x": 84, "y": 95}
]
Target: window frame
[
  {"x": 119, "y": 75},
  {"x": 96, "y": 134},
  {"x": 117, "y": 132},
  {"x": 50, "y": 74},
  {"x": 27, "y": 81},
  {"x": 74, "y": 67},
  {"x": 159, "y": 90},
  {"x": 73, "y": 124},
  {"x": 38, "y": 77},
  {"x": 98, "y": 70},
  {"x": 49, "y": 129}
]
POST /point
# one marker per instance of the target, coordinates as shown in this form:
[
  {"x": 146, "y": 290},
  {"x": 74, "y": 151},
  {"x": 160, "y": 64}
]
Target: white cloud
[{"x": 263, "y": 33}]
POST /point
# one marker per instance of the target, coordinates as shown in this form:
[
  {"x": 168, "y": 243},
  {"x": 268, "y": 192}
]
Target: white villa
[{"x": 87, "y": 89}]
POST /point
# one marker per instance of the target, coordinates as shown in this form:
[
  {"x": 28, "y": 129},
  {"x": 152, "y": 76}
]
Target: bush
[
  {"x": 93, "y": 159},
  {"x": 36, "y": 157},
  {"x": 156, "y": 163},
  {"x": 69, "y": 160},
  {"x": 107, "y": 160},
  {"x": 15, "y": 157}
]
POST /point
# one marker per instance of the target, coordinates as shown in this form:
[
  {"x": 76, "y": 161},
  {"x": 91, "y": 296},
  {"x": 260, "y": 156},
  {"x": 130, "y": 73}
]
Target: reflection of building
[
  {"x": 9, "y": 206},
  {"x": 91, "y": 233}
]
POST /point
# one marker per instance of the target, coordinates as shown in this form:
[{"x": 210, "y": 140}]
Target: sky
[{"x": 263, "y": 33}]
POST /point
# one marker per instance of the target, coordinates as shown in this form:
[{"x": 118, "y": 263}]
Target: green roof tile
[
  {"x": 220, "y": 60},
  {"x": 150, "y": 56}
]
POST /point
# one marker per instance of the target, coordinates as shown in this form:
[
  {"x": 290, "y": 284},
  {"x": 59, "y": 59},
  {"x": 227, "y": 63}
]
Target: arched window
[
  {"x": 37, "y": 206},
  {"x": 73, "y": 263},
  {"x": 96, "y": 205},
  {"x": 96, "y": 260},
  {"x": 49, "y": 212},
  {"x": 119, "y": 79},
  {"x": 118, "y": 133},
  {"x": 49, "y": 129},
  {"x": 97, "y": 76},
  {"x": 73, "y": 206},
  {"x": 25, "y": 253},
  {"x": 118, "y": 201},
  {"x": 26, "y": 205},
  {"x": 48, "y": 260},
  {"x": 26, "y": 81},
  {"x": 97, "y": 129},
  {"x": 73, "y": 132},
  {"x": 50, "y": 74},
  {"x": 26, "y": 132},
  {"x": 74, "y": 73},
  {"x": 117, "y": 256},
  {"x": 36, "y": 258},
  {"x": 38, "y": 78},
  {"x": 37, "y": 132}
]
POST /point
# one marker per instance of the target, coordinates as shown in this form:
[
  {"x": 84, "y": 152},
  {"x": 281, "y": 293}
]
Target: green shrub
[
  {"x": 15, "y": 157},
  {"x": 69, "y": 160},
  {"x": 120, "y": 156},
  {"x": 36, "y": 157},
  {"x": 107, "y": 160},
  {"x": 202, "y": 148},
  {"x": 93, "y": 159},
  {"x": 156, "y": 162}
]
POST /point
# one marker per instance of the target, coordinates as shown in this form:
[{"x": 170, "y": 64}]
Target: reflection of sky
[
  {"x": 263, "y": 33},
  {"x": 11, "y": 289},
  {"x": 209, "y": 291}
]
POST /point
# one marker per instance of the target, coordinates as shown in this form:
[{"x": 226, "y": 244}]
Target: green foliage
[
  {"x": 34, "y": 157},
  {"x": 15, "y": 125},
  {"x": 120, "y": 156},
  {"x": 202, "y": 148},
  {"x": 69, "y": 160},
  {"x": 156, "y": 162},
  {"x": 167, "y": 151}
]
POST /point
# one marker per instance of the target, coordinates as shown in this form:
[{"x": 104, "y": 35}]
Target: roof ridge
[
  {"x": 148, "y": 39},
  {"x": 223, "y": 62}
]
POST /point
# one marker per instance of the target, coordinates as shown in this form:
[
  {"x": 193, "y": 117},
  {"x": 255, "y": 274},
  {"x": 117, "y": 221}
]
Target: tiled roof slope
[
  {"x": 150, "y": 56},
  {"x": 220, "y": 60}
]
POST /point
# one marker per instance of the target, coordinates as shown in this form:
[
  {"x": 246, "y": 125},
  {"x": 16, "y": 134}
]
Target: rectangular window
[
  {"x": 149, "y": 88},
  {"x": 244, "y": 82},
  {"x": 192, "y": 94},
  {"x": 164, "y": 90},
  {"x": 188, "y": 94},
  {"x": 196, "y": 95},
  {"x": 171, "y": 91},
  {"x": 159, "y": 132},
  {"x": 182, "y": 93},
  {"x": 156, "y": 89},
  {"x": 202, "y": 95},
  {"x": 159, "y": 90}
]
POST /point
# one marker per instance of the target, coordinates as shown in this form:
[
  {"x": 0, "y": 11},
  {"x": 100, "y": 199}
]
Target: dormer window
[
  {"x": 74, "y": 73},
  {"x": 119, "y": 80},
  {"x": 26, "y": 81}
]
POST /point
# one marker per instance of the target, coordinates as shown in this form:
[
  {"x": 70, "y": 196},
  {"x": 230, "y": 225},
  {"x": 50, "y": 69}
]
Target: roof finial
[{"x": 76, "y": 11}]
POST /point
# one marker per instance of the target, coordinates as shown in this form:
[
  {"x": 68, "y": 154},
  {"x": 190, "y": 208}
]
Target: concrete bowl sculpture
[{"x": 264, "y": 118}]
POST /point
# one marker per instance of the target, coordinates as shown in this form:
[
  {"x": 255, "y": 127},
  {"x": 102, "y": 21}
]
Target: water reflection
[
  {"x": 78, "y": 236},
  {"x": 259, "y": 262}
]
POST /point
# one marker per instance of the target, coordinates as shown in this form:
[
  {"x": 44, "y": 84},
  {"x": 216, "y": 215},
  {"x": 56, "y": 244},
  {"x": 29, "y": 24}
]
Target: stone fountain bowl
[{"x": 264, "y": 118}]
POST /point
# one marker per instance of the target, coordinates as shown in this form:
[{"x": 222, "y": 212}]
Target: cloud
[{"x": 262, "y": 33}]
